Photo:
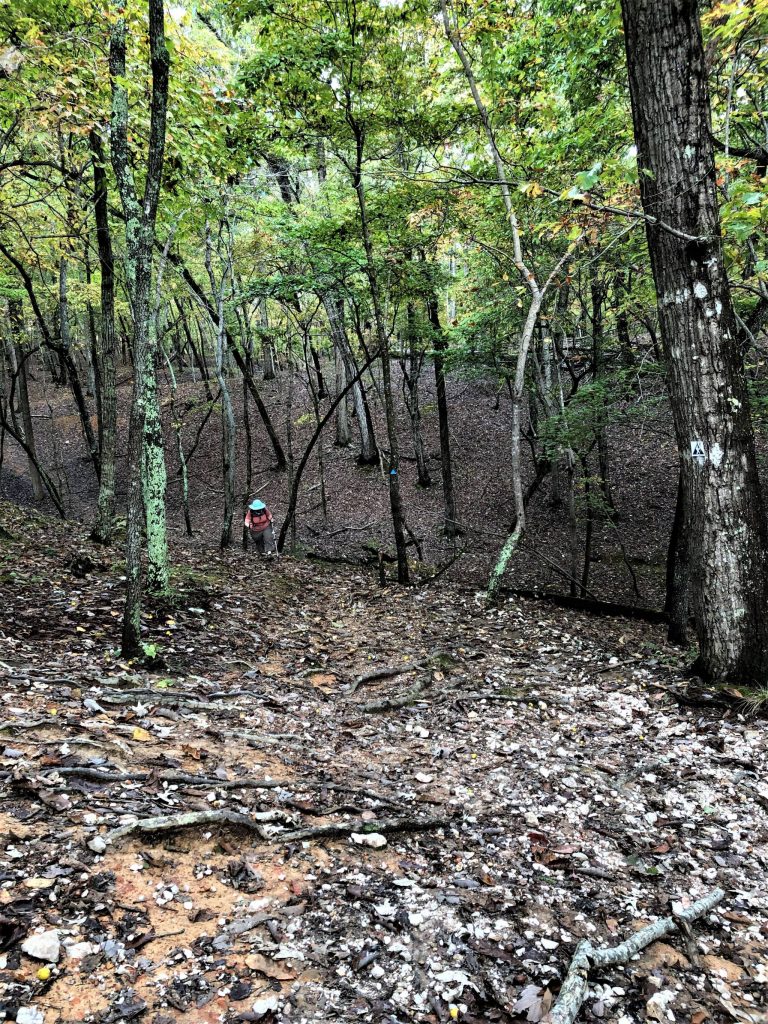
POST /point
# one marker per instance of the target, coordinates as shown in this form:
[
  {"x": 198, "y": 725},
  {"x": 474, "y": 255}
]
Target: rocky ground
[{"x": 400, "y": 806}]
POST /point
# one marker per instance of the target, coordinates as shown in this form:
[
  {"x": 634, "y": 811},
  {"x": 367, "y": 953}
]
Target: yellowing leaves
[
  {"x": 141, "y": 734},
  {"x": 531, "y": 188}
]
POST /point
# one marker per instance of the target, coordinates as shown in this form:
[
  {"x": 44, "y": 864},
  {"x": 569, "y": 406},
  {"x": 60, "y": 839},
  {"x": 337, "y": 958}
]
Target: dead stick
[
  {"x": 576, "y": 984},
  {"x": 172, "y": 822}
]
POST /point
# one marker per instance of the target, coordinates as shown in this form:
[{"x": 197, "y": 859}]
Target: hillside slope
[{"x": 532, "y": 776}]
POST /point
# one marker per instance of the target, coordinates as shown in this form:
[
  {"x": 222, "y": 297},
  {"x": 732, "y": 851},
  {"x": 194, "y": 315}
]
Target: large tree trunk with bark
[{"x": 726, "y": 525}]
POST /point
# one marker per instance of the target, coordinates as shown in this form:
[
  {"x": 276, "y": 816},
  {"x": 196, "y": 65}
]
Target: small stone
[
  {"x": 29, "y": 1015},
  {"x": 531, "y": 818},
  {"x": 44, "y": 946},
  {"x": 78, "y": 950},
  {"x": 264, "y": 1005},
  {"x": 97, "y": 844},
  {"x": 373, "y": 839}
]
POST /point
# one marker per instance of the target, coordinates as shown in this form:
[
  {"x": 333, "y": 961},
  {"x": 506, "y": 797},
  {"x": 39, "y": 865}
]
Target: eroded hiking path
[{"x": 533, "y": 779}]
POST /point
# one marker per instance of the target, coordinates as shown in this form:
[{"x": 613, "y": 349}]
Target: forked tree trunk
[{"x": 727, "y": 533}]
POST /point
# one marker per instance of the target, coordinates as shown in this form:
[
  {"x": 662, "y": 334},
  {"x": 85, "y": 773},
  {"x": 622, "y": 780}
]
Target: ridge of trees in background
[{"x": 347, "y": 197}]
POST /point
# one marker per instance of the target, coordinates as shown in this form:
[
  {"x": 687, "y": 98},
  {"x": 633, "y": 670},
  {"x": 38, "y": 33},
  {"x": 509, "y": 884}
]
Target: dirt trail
[{"x": 552, "y": 786}]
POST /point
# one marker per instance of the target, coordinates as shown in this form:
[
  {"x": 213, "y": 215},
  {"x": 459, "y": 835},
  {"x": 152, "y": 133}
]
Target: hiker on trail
[{"x": 258, "y": 520}]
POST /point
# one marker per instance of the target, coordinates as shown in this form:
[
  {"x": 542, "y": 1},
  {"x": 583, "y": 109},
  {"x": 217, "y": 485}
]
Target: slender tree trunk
[
  {"x": 411, "y": 370},
  {"x": 597, "y": 293},
  {"x": 177, "y": 424},
  {"x": 677, "y": 575},
  {"x": 727, "y": 536},
  {"x": 268, "y": 371},
  {"x": 451, "y": 526},
  {"x": 382, "y": 337},
  {"x": 16, "y": 320},
  {"x": 146, "y": 474},
  {"x": 334, "y": 308},
  {"x": 343, "y": 433},
  {"x": 105, "y": 509},
  {"x": 71, "y": 366}
]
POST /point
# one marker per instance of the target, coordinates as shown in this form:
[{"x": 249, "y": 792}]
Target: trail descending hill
[{"x": 320, "y": 799}]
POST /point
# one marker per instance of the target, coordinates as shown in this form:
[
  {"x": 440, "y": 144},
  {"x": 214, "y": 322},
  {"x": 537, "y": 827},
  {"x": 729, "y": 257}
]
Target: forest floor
[{"x": 530, "y": 775}]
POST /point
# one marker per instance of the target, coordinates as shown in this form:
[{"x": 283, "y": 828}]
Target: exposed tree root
[{"x": 574, "y": 990}]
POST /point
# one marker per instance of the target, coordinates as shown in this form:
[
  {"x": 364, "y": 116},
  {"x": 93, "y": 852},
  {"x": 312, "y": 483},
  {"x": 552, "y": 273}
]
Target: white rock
[
  {"x": 80, "y": 949},
  {"x": 97, "y": 844},
  {"x": 29, "y": 1015},
  {"x": 373, "y": 839},
  {"x": 549, "y": 944},
  {"x": 423, "y": 777},
  {"x": 45, "y": 946},
  {"x": 531, "y": 818},
  {"x": 264, "y": 1005}
]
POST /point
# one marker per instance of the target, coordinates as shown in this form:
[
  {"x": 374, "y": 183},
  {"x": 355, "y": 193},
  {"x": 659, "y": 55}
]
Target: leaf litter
[{"x": 374, "y": 804}]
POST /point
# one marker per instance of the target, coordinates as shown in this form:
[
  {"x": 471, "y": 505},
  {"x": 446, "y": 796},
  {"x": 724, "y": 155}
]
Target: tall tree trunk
[
  {"x": 343, "y": 434},
  {"x": 382, "y": 338},
  {"x": 411, "y": 370},
  {"x": 451, "y": 527},
  {"x": 71, "y": 366},
  {"x": 676, "y": 598},
  {"x": 334, "y": 308},
  {"x": 16, "y": 320},
  {"x": 727, "y": 531},
  {"x": 597, "y": 295},
  {"x": 105, "y": 509},
  {"x": 144, "y": 475}
]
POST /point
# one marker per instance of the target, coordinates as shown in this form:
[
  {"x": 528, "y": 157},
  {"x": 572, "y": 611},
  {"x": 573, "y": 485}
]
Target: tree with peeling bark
[{"x": 726, "y": 529}]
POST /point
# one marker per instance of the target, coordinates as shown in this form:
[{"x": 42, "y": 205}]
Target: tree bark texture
[{"x": 727, "y": 533}]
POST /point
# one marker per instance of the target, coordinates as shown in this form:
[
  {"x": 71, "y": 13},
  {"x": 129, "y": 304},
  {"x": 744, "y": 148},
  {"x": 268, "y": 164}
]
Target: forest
[{"x": 383, "y": 539}]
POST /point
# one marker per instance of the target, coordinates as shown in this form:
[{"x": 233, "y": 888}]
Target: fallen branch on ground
[
  {"x": 189, "y": 819},
  {"x": 574, "y": 990}
]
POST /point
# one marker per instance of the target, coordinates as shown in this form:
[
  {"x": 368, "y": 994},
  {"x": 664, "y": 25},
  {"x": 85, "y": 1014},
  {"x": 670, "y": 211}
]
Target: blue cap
[{"x": 257, "y": 506}]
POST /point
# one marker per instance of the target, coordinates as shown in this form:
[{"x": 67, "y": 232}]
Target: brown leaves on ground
[{"x": 577, "y": 803}]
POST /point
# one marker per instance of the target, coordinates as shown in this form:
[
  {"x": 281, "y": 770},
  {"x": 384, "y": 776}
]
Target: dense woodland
[{"x": 475, "y": 299}]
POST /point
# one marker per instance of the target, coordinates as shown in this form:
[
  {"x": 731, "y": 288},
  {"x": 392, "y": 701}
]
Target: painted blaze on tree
[{"x": 725, "y": 516}]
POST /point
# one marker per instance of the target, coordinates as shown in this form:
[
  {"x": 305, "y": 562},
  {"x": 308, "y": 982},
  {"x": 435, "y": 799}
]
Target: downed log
[{"x": 574, "y": 990}]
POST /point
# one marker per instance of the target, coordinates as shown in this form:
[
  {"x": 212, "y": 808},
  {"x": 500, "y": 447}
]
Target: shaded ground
[
  {"x": 539, "y": 784},
  {"x": 644, "y": 478}
]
